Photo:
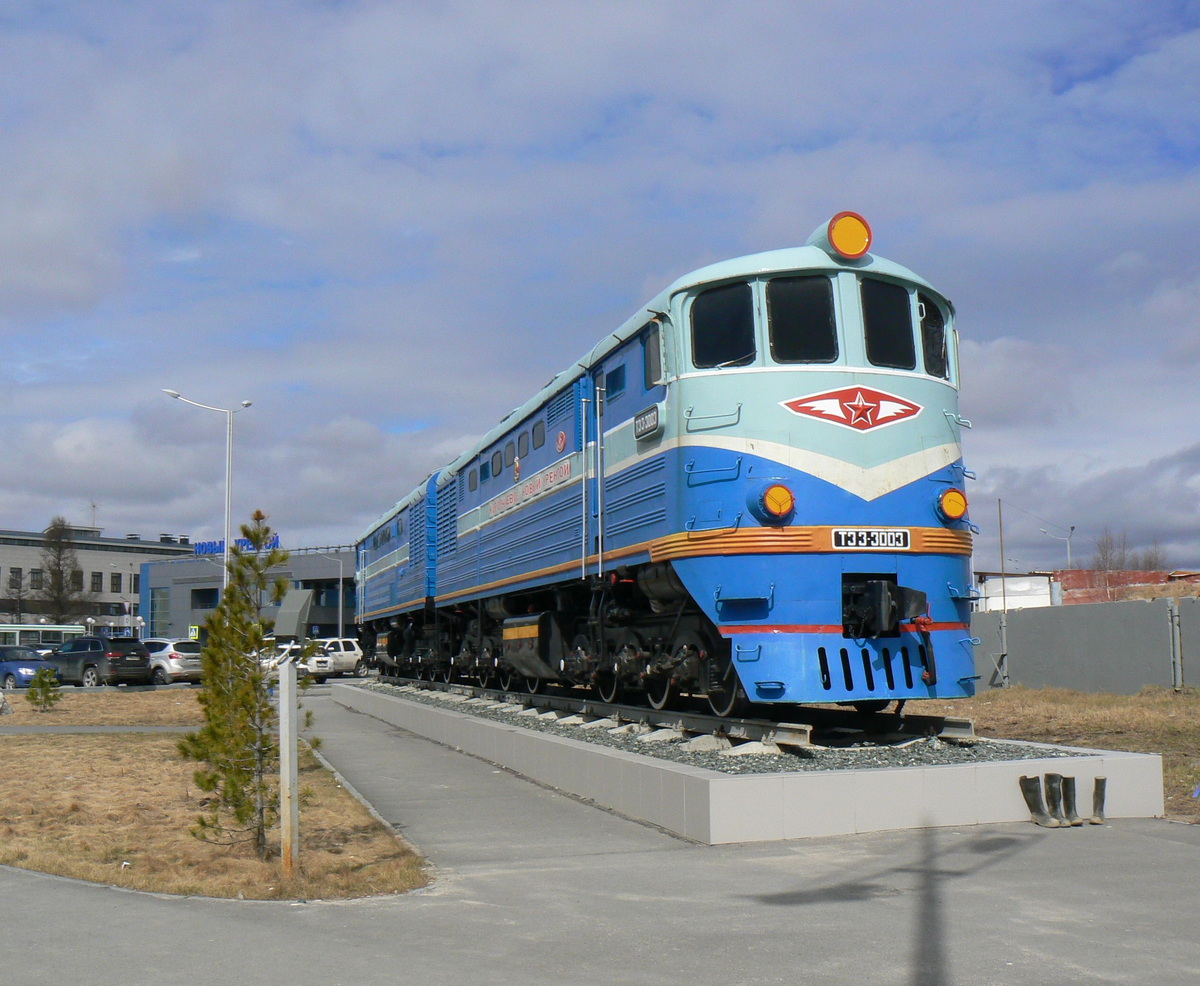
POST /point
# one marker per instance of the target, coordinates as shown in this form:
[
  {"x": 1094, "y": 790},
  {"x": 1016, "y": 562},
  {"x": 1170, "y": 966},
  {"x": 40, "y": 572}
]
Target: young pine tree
[{"x": 238, "y": 743}]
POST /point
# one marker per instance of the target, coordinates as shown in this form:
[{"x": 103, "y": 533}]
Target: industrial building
[{"x": 178, "y": 595}]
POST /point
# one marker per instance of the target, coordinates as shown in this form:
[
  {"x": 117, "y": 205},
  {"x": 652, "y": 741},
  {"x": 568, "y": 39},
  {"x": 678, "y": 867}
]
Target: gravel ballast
[{"x": 923, "y": 752}]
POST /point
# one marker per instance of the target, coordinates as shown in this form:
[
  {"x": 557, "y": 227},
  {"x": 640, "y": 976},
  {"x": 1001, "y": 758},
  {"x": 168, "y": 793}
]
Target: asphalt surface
[{"x": 534, "y": 887}]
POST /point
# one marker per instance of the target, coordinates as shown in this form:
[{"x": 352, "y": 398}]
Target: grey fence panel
[
  {"x": 986, "y": 626},
  {"x": 1099, "y": 647},
  {"x": 1189, "y": 630}
]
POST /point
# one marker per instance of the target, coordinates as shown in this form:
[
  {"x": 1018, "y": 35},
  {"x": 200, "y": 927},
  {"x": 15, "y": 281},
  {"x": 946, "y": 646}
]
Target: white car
[
  {"x": 344, "y": 653},
  {"x": 173, "y": 659}
]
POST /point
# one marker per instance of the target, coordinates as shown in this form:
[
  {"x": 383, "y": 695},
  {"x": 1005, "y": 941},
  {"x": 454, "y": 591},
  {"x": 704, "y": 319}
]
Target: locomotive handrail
[
  {"x": 691, "y": 470},
  {"x": 957, "y": 593},
  {"x": 735, "y": 414},
  {"x": 958, "y": 419},
  {"x": 769, "y": 598},
  {"x": 690, "y": 526}
]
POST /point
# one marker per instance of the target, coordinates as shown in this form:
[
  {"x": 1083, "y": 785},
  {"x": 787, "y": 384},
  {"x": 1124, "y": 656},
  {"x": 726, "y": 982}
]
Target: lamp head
[
  {"x": 171, "y": 393},
  {"x": 245, "y": 403}
]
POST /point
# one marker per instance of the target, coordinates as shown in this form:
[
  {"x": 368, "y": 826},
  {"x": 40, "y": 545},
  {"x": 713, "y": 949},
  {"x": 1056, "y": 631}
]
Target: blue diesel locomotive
[{"x": 751, "y": 491}]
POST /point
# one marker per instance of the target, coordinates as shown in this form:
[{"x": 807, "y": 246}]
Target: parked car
[
  {"x": 173, "y": 659},
  {"x": 317, "y": 665},
  {"x": 344, "y": 653},
  {"x": 90, "y": 661},
  {"x": 18, "y": 665}
]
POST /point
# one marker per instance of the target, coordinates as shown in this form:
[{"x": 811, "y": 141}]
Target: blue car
[{"x": 18, "y": 665}]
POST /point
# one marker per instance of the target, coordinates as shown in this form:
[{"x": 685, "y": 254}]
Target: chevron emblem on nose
[{"x": 860, "y": 408}]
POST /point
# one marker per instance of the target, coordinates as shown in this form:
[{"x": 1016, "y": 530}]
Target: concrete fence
[{"x": 1101, "y": 647}]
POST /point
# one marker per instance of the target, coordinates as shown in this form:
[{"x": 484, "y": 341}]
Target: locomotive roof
[{"x": 808, "y": 257}]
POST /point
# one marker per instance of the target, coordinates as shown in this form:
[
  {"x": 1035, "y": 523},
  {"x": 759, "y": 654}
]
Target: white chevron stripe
[{"x": 865, "y": 483}]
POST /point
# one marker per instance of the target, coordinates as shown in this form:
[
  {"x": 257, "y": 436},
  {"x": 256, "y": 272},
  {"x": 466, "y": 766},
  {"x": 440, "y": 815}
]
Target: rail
[{"x": 796, "y": 731}]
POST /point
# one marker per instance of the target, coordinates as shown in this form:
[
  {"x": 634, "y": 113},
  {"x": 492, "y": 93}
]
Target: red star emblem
[{"x": 860, "y": 408}]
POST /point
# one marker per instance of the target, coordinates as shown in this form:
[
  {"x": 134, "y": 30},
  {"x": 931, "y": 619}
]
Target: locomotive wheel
[
  {"x": 730, "y": 699},
  {"x": 443, "y": 675},
  {"x": 626, "y": 645},
  {"x": 661, "y": 692},
  {"x": 509, "y": 680},
  {"x": 487, "y": 665},
  {"x": 533, "y": 685}
]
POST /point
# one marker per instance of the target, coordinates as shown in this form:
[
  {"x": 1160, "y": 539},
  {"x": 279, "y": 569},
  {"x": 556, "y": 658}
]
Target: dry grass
[
  {"x": 1156, "y": 720},
  {"x": 117, "y": 809},
  {"x": 110, "y": 707}
]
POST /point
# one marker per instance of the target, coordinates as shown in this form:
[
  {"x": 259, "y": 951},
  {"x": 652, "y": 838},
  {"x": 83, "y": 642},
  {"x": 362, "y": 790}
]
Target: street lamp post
[
  {"x": 341, "y": 589},
  {"x": 229, "y": 413},
  {"x": 1060, "y": 537}
]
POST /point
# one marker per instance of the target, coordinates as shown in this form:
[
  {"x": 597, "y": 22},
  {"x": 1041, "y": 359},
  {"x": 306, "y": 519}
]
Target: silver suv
[{"x": 173, "y": 660}]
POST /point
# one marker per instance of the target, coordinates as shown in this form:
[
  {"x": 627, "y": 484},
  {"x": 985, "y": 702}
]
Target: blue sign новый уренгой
[{"x": 218, "y": 547}]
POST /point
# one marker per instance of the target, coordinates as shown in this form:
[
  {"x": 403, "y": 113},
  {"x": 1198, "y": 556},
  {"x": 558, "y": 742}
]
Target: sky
[{"x": 387, "y": 224}]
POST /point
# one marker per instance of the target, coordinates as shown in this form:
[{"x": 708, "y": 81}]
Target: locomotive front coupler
[{"x": 875, "y": 606}]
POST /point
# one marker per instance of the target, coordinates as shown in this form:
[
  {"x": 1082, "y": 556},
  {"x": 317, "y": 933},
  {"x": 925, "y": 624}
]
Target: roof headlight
[{"x": 849, "y": 235}]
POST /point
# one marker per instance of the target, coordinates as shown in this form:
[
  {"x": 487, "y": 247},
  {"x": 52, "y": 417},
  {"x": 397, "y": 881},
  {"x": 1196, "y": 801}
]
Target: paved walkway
[{"x": 534, "y": 887}]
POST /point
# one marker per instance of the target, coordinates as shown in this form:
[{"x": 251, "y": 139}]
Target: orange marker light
[
  {"x": 849, "y": 235},
  {"x": 952, "y": 504},
  {"x": 778, "y": 501}
]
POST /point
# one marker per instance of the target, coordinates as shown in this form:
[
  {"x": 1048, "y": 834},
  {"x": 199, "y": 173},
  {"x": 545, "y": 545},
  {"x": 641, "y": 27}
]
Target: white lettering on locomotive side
[
  {"x": 870, "y": 539},
  {"x": 553, "y": 476}
]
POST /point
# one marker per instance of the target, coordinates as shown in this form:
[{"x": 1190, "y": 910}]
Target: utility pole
[{"x": 289, "y": 797}]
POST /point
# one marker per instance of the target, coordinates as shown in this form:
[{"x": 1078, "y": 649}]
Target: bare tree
[
  {"x": 1112, "y": 553},
  {"x": 1152, "y": 559},
  {"x": 62, "y": 591},
  {"x": 18, "y": 593}
]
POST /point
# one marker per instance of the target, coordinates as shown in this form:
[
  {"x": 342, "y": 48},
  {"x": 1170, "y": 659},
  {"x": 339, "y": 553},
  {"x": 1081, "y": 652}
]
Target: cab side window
[
  {"x": 651, "y": 357},
  {"x": 933, "y": 337},
  {"x": 497, "y": 463},
  {"x": 723, "y": 327},
  {"x": 887, "y": 320}
]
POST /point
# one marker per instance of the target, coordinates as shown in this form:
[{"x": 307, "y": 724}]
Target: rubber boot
[
  {"x": 1098, "y": 801},
  {"x": 1054, "y": 798},
  {"x": 1031, "y": 787},
  {"x": 1069, "y": 809}
]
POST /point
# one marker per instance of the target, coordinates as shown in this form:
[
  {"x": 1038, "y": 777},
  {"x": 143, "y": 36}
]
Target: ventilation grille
[
  {"x": 559, "y": 407},
  {"x": 447, "y": 520}
]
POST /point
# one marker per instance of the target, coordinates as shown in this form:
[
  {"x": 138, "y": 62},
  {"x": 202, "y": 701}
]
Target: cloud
[{"x": 367, "y": 215}]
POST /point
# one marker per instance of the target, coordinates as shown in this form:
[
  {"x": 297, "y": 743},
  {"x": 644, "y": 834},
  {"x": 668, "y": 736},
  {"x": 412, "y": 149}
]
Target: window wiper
[{"x": 732, "y": 362}]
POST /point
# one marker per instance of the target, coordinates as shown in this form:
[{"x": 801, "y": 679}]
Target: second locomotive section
[{"x": 754, "y": 490}]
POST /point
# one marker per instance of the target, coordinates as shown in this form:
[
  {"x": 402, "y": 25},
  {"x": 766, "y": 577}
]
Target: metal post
[
  {"x": 1003, "y": 577},
  {"x": 228, "y": 495},
  {"x": 1176, "y": 645},
  {"x": 599, "y": 479},
  {"x": 583, "y": 463},
  {"x": 289, "y": 797}
]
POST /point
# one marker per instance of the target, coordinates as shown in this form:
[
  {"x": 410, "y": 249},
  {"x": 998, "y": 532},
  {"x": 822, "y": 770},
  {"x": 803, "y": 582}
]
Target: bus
[{"x": 39, "y": 635}]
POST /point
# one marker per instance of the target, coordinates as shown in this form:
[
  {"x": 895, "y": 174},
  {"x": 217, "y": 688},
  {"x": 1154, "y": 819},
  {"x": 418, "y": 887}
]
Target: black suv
[{"x": 93, "y": 661}]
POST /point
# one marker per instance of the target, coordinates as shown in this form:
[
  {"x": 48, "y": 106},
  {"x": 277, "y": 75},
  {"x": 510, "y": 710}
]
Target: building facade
[
  {"x": 177, "y": 596},
  {"x": 107, "y": 574}
]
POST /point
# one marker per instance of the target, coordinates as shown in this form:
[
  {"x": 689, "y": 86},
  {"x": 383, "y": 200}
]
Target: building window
[
  {"x": 14, "y": 579},
  {"x": 77, "y": 581},
  {"x": 114, "y": 583},
  {"x": 160, "y": 612},
  {"x": 97, "y": 581},
  {"x": 35, "y": 578},
  {"x": 204, "y": 598},
  {"x": 137, "y": 584}
]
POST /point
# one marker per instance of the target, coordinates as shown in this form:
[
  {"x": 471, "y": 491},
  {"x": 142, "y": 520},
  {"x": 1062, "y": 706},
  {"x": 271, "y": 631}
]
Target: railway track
[{"x": 805, "y": 726}]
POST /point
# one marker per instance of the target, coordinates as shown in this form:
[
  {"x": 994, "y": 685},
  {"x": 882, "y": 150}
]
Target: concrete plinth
[{"x": 713, "y": 807}]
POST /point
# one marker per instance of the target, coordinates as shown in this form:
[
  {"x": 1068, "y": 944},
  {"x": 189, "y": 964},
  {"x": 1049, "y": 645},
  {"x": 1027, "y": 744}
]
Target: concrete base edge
[{"x": 712, "y": 807}]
